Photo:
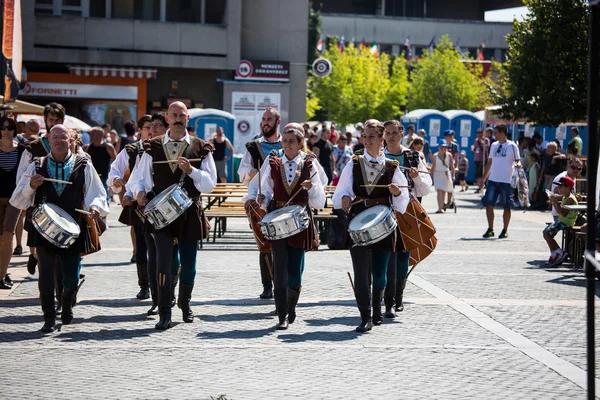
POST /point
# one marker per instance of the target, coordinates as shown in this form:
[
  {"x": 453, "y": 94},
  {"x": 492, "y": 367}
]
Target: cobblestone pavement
[{"x": 484, "y": 318}]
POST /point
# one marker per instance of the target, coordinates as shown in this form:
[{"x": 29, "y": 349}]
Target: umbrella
[
  {"x": 70, "y": 122},
  {"x": 20, "y": 106}
]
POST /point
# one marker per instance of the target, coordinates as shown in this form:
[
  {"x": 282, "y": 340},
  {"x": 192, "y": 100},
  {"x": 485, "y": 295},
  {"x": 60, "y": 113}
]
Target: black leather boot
[
  {"x": 173, "y": 287},
  {"x": 282, "y": 308},
  {"x": 47, "y": 302},
  {"x": 153, "y": 310},
  {"x": 31, "y": 264},
  {"x": 400, "y": 286},
  {"x": 142, "y": 272},
  {"x": 364, "y": 306},
  {"x": 377, "y": 317},
  {"x": 59, "y": 289},
  {"x": 67, "y": 299},
  {"x": 266, "y": 259},
  {"x": 185, "y": 296},
  {"x": 292, "y": 298},
  {"x": 164, "y": 307}
]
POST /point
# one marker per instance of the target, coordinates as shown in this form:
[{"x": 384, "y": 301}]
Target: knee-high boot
[
  {"x": 185, "y": 296},
  {"x": 153, "y": 310},
  {"x": 173, "y": 287},
  {"x": 292, "y": 298},
  {"x": 164, "y": 307},
  {"x": 67, "y": 300},
  {"x": 266, "y": 263},
  {"x": 364, "y": 306},
  {"x": 377, "y": 317},
  {"x": 282, "y": 308},
  {"x": 400, "y": 286},
  {"x": 47, "y": 302},
  {"x": 390, "y": 304},
  {"x": 142, "y": 272}
]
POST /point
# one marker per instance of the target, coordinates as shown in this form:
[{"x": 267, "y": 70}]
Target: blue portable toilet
[
  {"x": 465, "y": 125},
  {"x": 206, "y": 121},
  {"x": 433, "y": 121}
]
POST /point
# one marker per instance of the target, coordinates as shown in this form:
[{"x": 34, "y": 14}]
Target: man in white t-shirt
[
  {"x": 573, "y": 171},
  {"x": 502, "y": 161}
]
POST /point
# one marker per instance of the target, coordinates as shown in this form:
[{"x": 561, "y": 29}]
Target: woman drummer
[
  {"x": 295, "y": 180},
  {"x": 366, "y": 181},
  {"x": 419, "y": 183}
]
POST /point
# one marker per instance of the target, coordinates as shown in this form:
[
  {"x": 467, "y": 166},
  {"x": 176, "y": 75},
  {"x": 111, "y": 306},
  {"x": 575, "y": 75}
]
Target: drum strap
[{"x": 373, "y": 202}]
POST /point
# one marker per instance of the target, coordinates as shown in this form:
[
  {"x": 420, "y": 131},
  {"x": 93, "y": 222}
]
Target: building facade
[
  {"x": 113, "y": 60},
  {"x": 389, "y": 23}
]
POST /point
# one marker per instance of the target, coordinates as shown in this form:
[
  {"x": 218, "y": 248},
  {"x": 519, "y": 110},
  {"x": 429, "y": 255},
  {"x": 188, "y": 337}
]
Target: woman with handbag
[{"x": 443, "y": 174}]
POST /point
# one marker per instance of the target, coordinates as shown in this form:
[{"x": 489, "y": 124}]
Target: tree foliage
[
  {"x": 314, "y": 31},
  {"x": 545, "y": 76},
  {"x": 441, "y": 81},
  {"x": 360, "y": 86}
]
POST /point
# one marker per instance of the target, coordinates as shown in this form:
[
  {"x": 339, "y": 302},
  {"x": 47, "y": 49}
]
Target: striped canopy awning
[{"x": 117, "y": 72}]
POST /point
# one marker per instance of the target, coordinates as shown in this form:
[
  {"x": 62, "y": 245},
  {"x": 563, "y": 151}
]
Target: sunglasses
[
  {"x": 576, "y": 168},
  {"x": 499, "y": 149},
  {"x": 4, "y": 128}
]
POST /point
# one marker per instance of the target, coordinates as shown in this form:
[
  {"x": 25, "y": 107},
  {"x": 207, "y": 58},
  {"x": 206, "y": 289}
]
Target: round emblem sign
[
  {"x": 321, "y": 67},
  {"x": 243, "y": 126},
  {"x": 245, "y": 69}
]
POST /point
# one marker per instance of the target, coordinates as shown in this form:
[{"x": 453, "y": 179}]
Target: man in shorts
[{"x": 503, "y": 159}]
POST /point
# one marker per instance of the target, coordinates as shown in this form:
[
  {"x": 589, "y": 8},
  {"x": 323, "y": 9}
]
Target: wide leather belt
[{"x": 373, "y": 202}]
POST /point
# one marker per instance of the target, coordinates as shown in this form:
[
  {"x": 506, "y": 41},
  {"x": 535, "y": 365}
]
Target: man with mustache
[
  {"x": 193, "y": 167},
  {"x": 254, "y": 157}
]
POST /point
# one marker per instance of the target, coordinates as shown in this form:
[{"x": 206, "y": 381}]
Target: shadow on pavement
[
  {"x": 105, "y": 334},
  {"x": 324, "y": 336},
  {"x": 236, "y": 317},
  {"x": 238, "y": 334},
  {"x": 108, "y": 264}
]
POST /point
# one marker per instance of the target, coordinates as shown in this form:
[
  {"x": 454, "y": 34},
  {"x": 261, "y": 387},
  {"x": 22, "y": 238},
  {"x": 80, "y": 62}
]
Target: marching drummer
[
  {"x": 76, "y": 185},
  {"x": 419, "y": 184},
  {"x": 256, "y": 153},
  {"x": 290, "y": 180},
  {"x": 175, "y": 158},
  {"x": 366, "y": 181}
]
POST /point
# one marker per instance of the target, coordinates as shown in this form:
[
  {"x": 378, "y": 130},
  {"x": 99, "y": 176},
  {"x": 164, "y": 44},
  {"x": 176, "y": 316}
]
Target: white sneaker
[{"x": 560, "y": 259}]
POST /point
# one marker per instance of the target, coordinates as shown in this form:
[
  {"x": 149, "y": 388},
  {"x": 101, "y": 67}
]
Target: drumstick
[
  {"x": 351, "y": 282},
  {"x": 51, "y": 180},
  {"x": 83, "y": 211},
  {"x": 259, "y": 192},
  {"x": 421, "y": 172},
  {"x": 295, "y": 194},
  {"x": 175, "y": 161}
]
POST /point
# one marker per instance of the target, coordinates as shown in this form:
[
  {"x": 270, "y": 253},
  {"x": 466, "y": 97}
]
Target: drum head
[
  {"x": 369, "y": 217},
  {"x": 164, "y": 194},
  {"x": 61, "y": 218},
  {"x": 282, "y": 214}
]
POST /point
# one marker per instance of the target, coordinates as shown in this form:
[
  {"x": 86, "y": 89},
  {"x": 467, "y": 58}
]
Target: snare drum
[
  {"x": 284, "y": 222},
  {"x": 372, "y": 225},
  {"x": 55, "y": 225},
  {"x": 169, "y": 205}
]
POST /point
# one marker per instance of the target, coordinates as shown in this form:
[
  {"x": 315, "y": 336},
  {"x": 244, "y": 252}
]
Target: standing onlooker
[
  {"x": 342, "y": 155},
  {"x": 454, "y": 150},
  {"x": 463, "y": 169},
  {"x": 410, "y": 135},
  {"x": 426, "y": 148},
  {"x": 540, "y": 143},
  {"x": 10, "y": 155},
  {"x": 114, "y": 139},
  {"x": 480, "y": 149},
  {"x": 106, "y": 128},
  {"x": 358, "y": 130},
  {"x": 324, "y": 150},
  {"x": 489, "y": 134},
  {"x": 504, "y": 157},
  {"x": 443, "y": 174},
  {"x": 102, "y": 153},
  {"x": 333, "y": 135},
  {"x": 221, "y": 144},
  {"x": 130, "y": 131},
  {"x": 575, "y": 146},
  {"x": 552, "y": 165},
  {"x": 312, "y": 139},
  {"x": 534, "y": 177},
  {"x": 159, "y": 124}
]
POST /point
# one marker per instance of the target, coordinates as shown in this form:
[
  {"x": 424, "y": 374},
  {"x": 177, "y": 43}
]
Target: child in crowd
[
  {"x": 566, "y": 218},
  {"x": 463, "y": 168}
]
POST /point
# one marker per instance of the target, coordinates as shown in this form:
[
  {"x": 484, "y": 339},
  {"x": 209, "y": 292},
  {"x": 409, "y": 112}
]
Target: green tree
[
  {"x": 441, "y": 81},
  {"x": 360, "y": 86},
  {"x": 545, "y": 76}
]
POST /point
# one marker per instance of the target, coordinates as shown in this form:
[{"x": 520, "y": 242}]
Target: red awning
[{"x": 117, "y": 72}]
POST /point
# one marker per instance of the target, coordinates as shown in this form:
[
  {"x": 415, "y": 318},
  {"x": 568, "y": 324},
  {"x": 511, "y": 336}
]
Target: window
[
  {"x": 98, "y": 8},
  {"x": 184, "y": 11},
  {"x": 44, "y": 7},
  {"x": 136, "y": 9},
  {"x": 215, "y": 12},
  {"x": 405, "y": 8},
  {"x": 72, "y": 7}
]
